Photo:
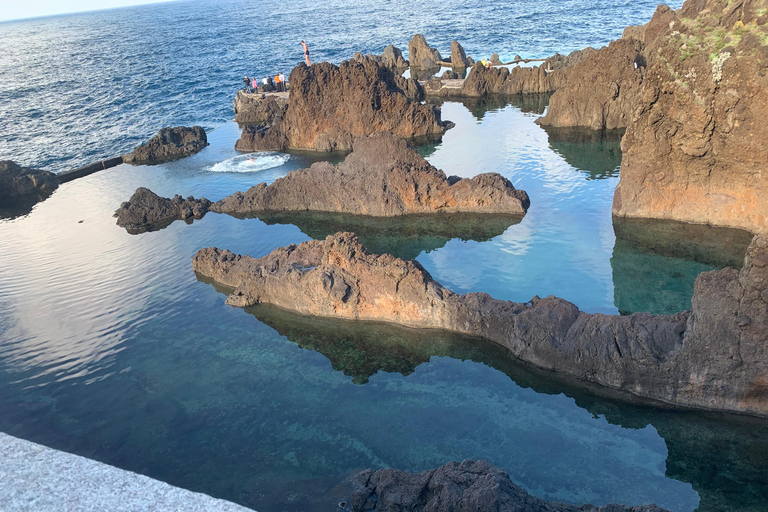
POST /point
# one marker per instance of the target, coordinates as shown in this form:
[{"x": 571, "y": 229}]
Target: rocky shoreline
[
  {"x": 382, "y": 177},
  {"x": 709, "y": 358},
  {"x": 466, "y": 486}
]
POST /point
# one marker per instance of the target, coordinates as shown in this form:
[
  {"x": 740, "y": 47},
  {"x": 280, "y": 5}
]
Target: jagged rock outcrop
[
  {"x": 602, "y": 90},
  {"x": 382, "y": 177},
  {"x": 169, "y": 144},
  {"x": 475, "y": 486},
  {"x": 695, "y": 151},
  {"x": 712, "y": 357},
  {"x": 18, "y": 181},
  {"x": 421, "y": 55},
  {"x": 459, "y": 59},
  {"x": 495, "y": 60},
  {"x": 546, "y": 78},
  {"x": 330, "y": 106},
  {"x": 393, "y": 58},
  {"x": 258, "y": 108},
  {"x": 146, "y": 211}
]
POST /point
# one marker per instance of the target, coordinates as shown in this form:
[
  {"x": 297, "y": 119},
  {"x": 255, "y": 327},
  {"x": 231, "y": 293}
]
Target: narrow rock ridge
[
  {"x": 258, "y": 108},
  {"x": 548, "y": 77},
  {"x": 382, "y": 177},
  {"x": 169, "y": 144},
  {"x": 712, "y": 357},
  {"x": 469, "y": 485},
  {"x": 329, "y": 106}
]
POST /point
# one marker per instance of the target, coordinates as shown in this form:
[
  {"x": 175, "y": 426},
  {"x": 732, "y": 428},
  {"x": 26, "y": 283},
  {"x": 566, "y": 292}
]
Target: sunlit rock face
[
  {"x": 695, "y": 151},
  {"x": 329, "y": 106},
  {"x": 711, "y": 357},
  {"x": 382, "y": 177}
]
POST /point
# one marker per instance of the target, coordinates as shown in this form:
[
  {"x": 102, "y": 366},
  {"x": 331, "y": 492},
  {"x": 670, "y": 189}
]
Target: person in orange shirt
[{"x": 278, "y": 84}]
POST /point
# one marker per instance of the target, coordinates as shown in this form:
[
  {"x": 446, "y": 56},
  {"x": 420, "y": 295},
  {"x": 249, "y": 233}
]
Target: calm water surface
[{"x": 112, "y": 348}]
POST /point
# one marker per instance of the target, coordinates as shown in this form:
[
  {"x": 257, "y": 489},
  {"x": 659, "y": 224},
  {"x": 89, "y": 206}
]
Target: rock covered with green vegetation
[{"x": 695, "y": 150}]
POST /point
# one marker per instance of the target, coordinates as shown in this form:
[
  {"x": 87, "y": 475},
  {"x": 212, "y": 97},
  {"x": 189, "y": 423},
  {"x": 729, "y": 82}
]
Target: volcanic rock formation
[
  {"x": 168, "y": 144},
  {"x": 421, "y": 55},
  {"x": 459, "y": 59},
  {"x": 546, "y": 78},
  {"x": 329, "y": 106},
  {"x": 258, "y": 108},
  {"x": 382, "y": 177},
  {"x": 602, "y": 89},
  {"x": 18, "y": 181},
  {"x": 711, "y": 357},
  {"x": 695, "y": 151},
  {"x": 468, "y": 486}
]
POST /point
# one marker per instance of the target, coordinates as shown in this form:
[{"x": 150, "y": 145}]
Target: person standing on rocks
[
  {"x": 282, "y": 81},
  {"x": 247, "y": 82},
  {"x": 306, "y": 53}
]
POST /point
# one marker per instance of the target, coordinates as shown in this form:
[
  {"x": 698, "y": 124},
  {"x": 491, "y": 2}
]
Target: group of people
[{"x": 278, "y": 83}]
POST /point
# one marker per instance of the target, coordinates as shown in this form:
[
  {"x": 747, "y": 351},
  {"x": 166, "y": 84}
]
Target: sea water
[{"x": 112, "y": 348}]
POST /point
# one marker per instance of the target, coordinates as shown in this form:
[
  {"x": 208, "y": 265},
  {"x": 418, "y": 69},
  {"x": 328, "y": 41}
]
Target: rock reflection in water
[
  {"x": 655, "y": 262},
  {"x": 14, "y": 207},
  {"x": 596, "y": 153},
  {"x": 724, "y": 457},
  {"x": 404, "y": 237},
  {"x": 479, "y": 107}
]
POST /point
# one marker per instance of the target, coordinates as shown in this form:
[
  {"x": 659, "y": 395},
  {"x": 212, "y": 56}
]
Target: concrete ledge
[
  {"x": 89, "y": 169},
  {"x": 40, "y": 479}
]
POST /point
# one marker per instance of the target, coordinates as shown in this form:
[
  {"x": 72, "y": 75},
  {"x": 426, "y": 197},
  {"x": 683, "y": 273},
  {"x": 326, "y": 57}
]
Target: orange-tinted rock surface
[
  {"x": 382, "y": 177},
  {"x": 715, "y": 356},
  {"x": 695, "y": 151},
  {"x": 329, "y": 106}
]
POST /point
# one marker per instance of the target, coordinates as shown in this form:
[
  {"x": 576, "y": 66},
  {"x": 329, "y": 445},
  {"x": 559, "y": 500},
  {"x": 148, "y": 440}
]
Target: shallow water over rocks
[{"x": 113, "y": 349}]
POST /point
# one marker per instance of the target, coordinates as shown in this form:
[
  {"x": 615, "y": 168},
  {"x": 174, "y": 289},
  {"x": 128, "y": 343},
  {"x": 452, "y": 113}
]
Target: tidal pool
[{"x": 113, "y": 349}]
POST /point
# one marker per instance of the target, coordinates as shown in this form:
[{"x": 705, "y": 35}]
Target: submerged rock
[
  {"x": 258, "y": 108},
  {"x": 330, "y": 106},
  {"x": 382, "y": 177},
  {"x": 18, "y": 181},
  {"x": 711, "y": 357},
  {"x": 468, "y": 486},
  {"x": 695, "y": 151},
  {"x": 169, "y": 144}
]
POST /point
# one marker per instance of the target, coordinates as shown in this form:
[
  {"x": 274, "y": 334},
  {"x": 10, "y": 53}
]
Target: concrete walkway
[{"x": 38, "y": 479}]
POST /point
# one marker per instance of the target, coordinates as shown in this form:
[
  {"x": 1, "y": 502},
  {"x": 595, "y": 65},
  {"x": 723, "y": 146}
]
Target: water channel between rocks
[{"x": 113, "y": 349}]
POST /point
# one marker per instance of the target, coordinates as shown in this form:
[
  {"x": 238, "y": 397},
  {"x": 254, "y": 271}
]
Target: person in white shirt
[{"x": 282, "y": 81}]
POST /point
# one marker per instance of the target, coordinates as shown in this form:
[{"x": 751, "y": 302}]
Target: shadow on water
[
  {"x": 724, "y": 457},
  {"x": 15, "y": 207},
  {"x": 596, "y": 153},
  {"x": 479, "y": 107},
  {"x": 655, "y": 262},
  {"x": 404, "y": 237}
]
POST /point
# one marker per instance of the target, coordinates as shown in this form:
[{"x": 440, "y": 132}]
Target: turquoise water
[{"x": 113, "y": 349}]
